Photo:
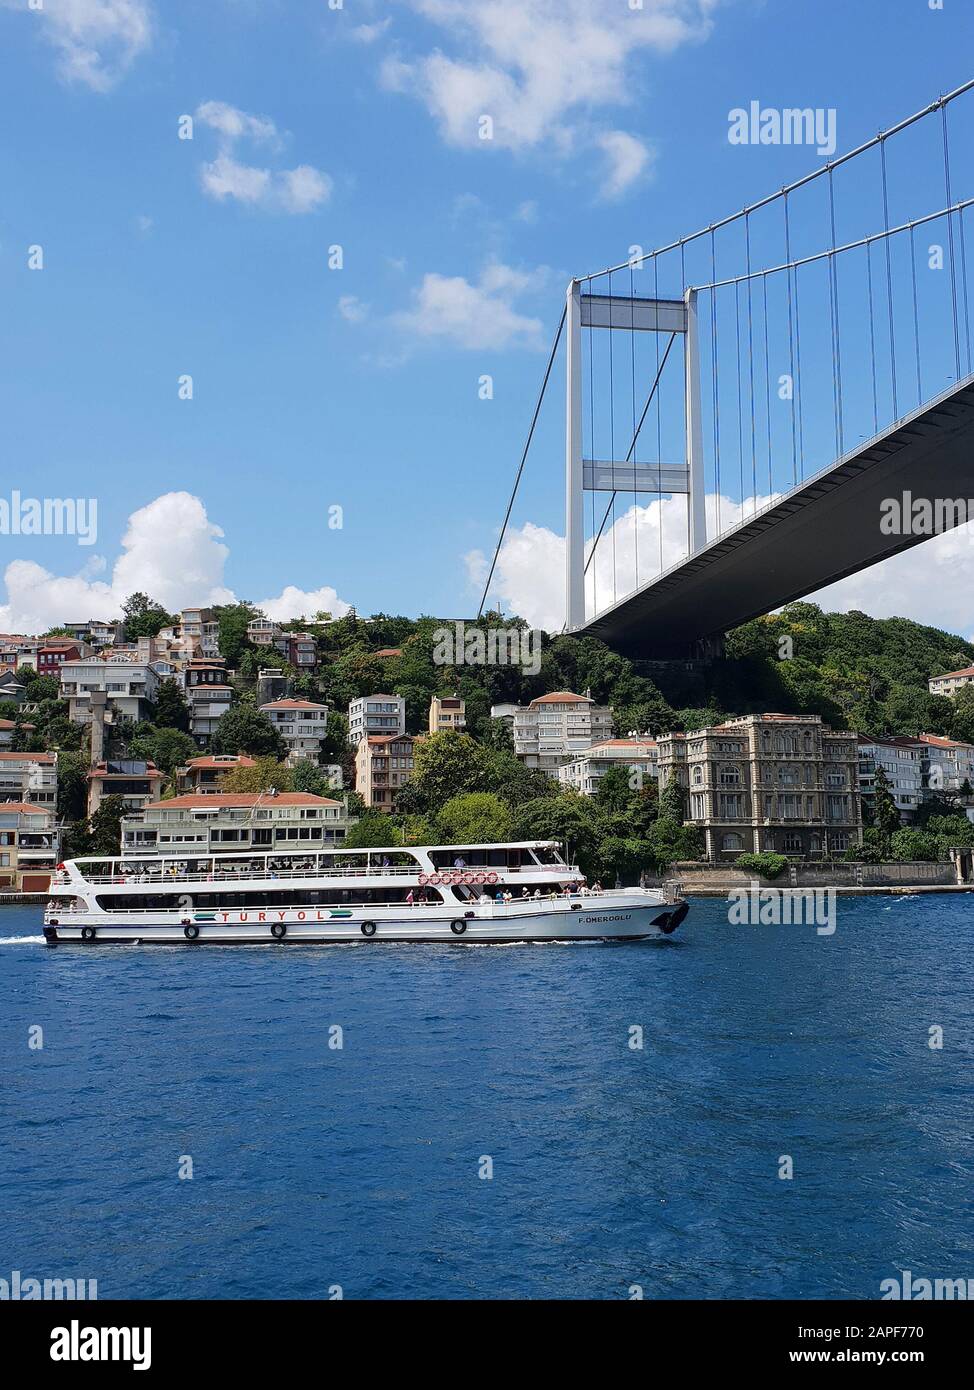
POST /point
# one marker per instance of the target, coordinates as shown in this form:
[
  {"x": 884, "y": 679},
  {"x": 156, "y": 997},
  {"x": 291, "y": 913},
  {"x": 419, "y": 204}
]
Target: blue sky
[{"x": 358, "y": 387}]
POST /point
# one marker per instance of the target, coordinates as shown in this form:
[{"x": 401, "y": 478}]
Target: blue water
[{"x": 316, "y": 1167}]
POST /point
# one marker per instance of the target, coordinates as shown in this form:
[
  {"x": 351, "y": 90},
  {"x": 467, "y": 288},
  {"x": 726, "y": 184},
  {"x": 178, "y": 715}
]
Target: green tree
[
  {"x": 909, "y": 845},
  {"x": 167, "y": 748},
  {"x": 244, "y": 729},
  {"x": 474, "y": 818},
  {"x": 375, "y": 830},
  {"x": 613, "y": 792},
  {"x": 172, "y": 711},
  {"x": 144, "y": 617},
  {"x": 267, "y": 772},
  {"x": 672, "y": 802},
  {"x": 72, "y": 786},
  {"x": 232, "y": 620},
  {"x": 105, "y": 826},
  {"x": 885, "y": 816}
]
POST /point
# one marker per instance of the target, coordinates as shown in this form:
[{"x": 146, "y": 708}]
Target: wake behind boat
[{"x": 522, "y": 891}]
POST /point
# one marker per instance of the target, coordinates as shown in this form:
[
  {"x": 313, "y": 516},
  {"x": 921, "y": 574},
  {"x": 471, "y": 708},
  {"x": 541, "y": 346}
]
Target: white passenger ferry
[{"x": 481, "y": 893}]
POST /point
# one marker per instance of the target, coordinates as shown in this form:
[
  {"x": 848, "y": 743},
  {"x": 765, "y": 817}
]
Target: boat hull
[{"x": 606, "y": 920}]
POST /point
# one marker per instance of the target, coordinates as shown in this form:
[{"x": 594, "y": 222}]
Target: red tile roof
[
  {"x": 33, "y": 757},
  {"x": 967, "y": 671},
  {"x": 26, "y": 808},
  {"x": 563, "y": 697}
]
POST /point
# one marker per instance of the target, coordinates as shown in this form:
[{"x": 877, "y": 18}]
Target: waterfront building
[
  {"x": 383, "y": 763},
  {"x": 302, "y": 724},
  {"x": 130, "y": 687},
  {"x": 584, "y": 772},
  {"x": 951, "y": 682},
  {"x": 902, "y": 761},
  {"x": 204, "y": 775},
  {"x": 776, "y": 782},
  {"x": 447, "y": 712},
  {"x": 219, "y": 822},
  {"x": 948, "y": 766},
  {"x": 375, "y": 714},
  {"x": 28, "y": 847},
  {"x": 135, "y": 781},
  {"x": 29, "y": 777},
  {"x": 554, "y": 728}
]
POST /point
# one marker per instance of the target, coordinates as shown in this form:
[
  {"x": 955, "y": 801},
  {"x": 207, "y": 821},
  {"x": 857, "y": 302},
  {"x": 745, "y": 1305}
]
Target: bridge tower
[{"x": 627, "y": 314}]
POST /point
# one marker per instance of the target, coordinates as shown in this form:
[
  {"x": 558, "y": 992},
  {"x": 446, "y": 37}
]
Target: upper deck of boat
[{"x": 535, "y": 858}]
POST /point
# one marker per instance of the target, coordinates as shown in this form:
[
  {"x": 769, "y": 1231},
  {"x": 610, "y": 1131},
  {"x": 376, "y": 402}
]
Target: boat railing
[{"x": 470, "y": 876}]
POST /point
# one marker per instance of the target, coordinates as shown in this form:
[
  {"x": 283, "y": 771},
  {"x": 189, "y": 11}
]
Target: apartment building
[
  {"x": 300, "y": 649},
  {"x": 29, "y": 777},
  {"x": 584, "y": 772},
  {"x": 208, "y": 696},
  {"x": 375, "y": 714},
  {"x": 136, "y": 782},
  {"x": 263, "y": 632},
  {"x": 221, "y": 822},
  {"x": 555, "y": 728},
  {"x": 203, "y": 776},
  {"x": 947, "y": 765},
  {"x": 776, "y": 782},
  {"x": 28, "y": 847},
  {"x": 200, "y": 628},
  {"x": 302, "y": 724},
  {"x": 383, "y": 763},
  {"x": 96, "y": 632},
  {"x": 53, "y": 652},
  {"x": 447, "y": 712},
  {"x": 951, "y": 681},
  {"x": 902, "y": 761},
  {"x": 131, "y": 687}
]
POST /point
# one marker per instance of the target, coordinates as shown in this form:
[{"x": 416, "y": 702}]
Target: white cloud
[
  {"x": 227, "y": 178},
  {"x": 297, "y": 190},
  {"x": 931, "y": 583},
  {"x": 368, "y": 33},
  {"x": 234, "y": 124},
  {"x": 352, "y": 309},
  {"x": 627, "y": 159},
  {"x": 170, "y": 550},
  {"x": 480, "y": 315},
  {"x": 540, "y": 68},
  {"x": 303, "y": 603},
  {"x": 96, "y": 40}
]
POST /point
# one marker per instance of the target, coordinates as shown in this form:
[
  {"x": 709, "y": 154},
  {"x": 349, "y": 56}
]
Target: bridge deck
[{"x": 824, "y": 529}]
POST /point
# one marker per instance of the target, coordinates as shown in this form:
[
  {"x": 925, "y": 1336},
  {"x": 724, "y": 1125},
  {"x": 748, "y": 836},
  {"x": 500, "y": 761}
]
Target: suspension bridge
[{"x": 740, "y": 403}]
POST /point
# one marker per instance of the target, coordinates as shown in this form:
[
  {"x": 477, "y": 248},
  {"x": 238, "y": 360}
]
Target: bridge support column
[
  {"x": 574, "y": 494},
  {"x": 696, "y": 499}
]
